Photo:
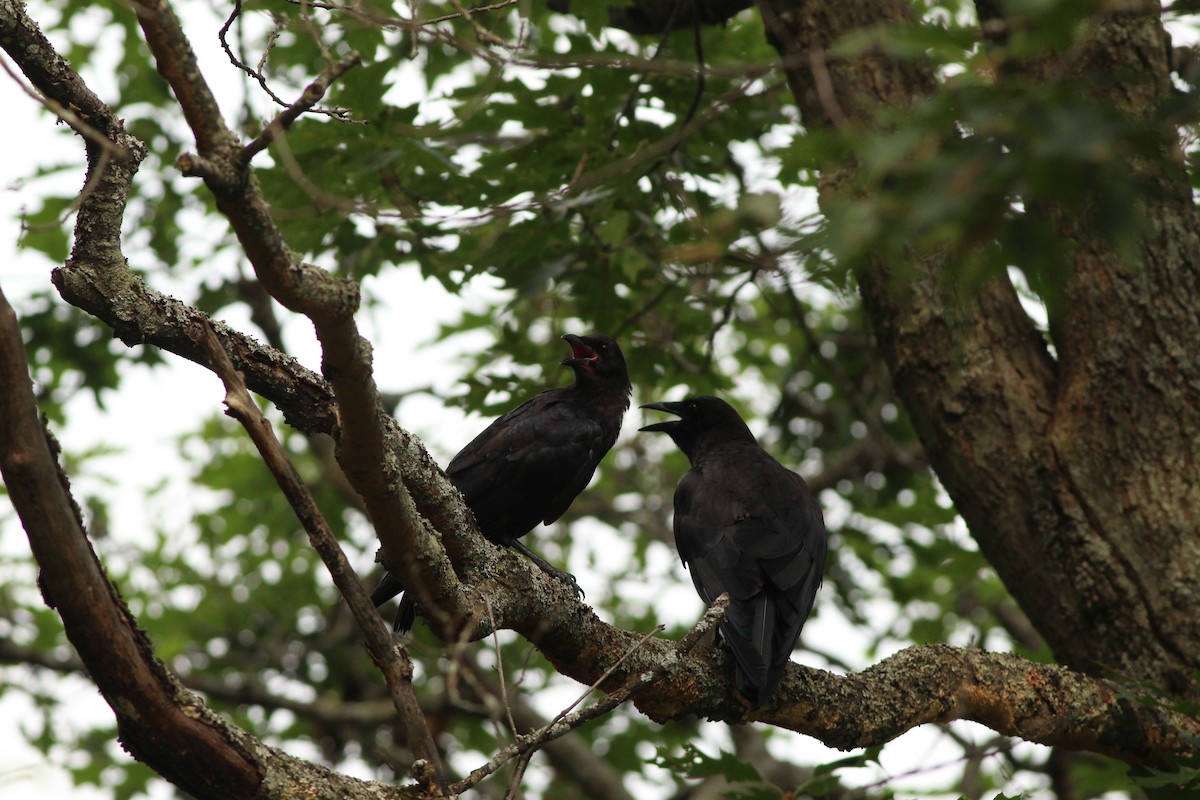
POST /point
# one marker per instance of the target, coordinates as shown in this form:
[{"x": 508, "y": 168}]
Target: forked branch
[{"x": 391, "y": 658}]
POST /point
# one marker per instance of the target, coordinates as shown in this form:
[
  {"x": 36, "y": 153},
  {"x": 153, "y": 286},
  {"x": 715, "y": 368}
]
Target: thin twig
[
  {"x": 481, "y": 33},
  {"x": 409, "y": 24},
  {"x": 526, "y": 743},
  {"x": 260, "y": 78},
  {"x": 237, "y": 62},
  {"x": 565, "y": 723},
  {"x": 272, "y": 39},
  {"x": 701, "y": 71},
  {"x": 823, "y": 83},
  {"x": 518, "y": 776},
  {"x": 726, "y": 315},
  {"x": 648, "y": 306},
  {"x": 651, "y": 152},
  {"x": 460, "y": 670},
  {"x": 701, "y": 83},
  {"x": 311, "y": 95},
  {"x": 867, "y": 412},
  {"x": 390, "y": 657},
  {"x": 68, "y": 116},
  {"x": 322, "y": 199},
  {"x": 109, "y": 149},
  {"x": 512, "y": 726},
  {"x": 631, "y": 99},
  {"x": 597, "y": 683},
  {"x": 465, "y": 12},
  {"x": 605, "y": 61},
  {"x": 929, "y": 769}
]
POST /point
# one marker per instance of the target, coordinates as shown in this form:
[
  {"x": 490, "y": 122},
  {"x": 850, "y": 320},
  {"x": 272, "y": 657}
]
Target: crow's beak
[
  {"x": 662, "y": 427},
  {"x": 581, "y": 354}
]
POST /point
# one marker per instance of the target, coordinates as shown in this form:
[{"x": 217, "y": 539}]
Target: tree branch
[
  {"x": 156, "y": 717},
  {"x": 311, "y": 96},
  {"x": 391, "y": 658},
  {"x": 569, "y": 756},
  {"x": 121, "y": 661},
  {"x": 365, "y": 432},
  {"x": 924, "y": 684}
]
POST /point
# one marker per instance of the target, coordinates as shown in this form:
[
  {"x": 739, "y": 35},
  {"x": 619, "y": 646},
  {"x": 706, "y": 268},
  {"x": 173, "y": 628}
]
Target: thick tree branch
[
  {"x": 365, "y": 432},
  {"x": 369, "y": 440},
  {"x": 391, "y": 658},
  {"x": 157, "y": 718},
  {"x": 924, "y": 684},
  {"x": 569, "y": 755},
  {"x": 97, "y": 622},
  {"x": 929, "y": 683},
  {"x": 110, "y": 167},
  {"x": 1043, "y": 703}
]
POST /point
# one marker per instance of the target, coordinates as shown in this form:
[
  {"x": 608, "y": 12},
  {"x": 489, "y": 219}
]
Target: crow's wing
[
  {"x": 528, "y": 465},
  {"x": 746, "y": 525},
  {"x": 524, "y": 468}
]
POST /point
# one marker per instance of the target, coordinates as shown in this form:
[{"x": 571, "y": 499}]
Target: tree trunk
[{"x": 1075, "y": 470}]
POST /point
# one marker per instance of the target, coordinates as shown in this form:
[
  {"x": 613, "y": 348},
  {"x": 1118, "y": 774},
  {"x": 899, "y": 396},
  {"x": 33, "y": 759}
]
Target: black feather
[
  {"x": 746, "y": 525},
  {"x": 530, "y": 464}
]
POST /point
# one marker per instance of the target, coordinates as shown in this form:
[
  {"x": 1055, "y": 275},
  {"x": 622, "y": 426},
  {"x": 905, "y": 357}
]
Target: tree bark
[
  {"x": 982, "y": 385},
  {"x": 1076, "y": 471}
]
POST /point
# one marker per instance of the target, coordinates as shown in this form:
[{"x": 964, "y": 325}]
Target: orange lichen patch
[
  {"x": 978, "y": 702},
  {"x": 667, "y": 698},
  {"x": 666, "y": 701}
]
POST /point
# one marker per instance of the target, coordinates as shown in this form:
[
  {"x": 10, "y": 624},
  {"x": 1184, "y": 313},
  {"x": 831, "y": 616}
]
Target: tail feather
[
  {"x": 406, "y": 614},
  {"x": 749, "y": 630}
]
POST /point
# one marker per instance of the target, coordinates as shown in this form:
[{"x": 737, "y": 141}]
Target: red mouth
[
  {"x": 581, "y": 351},
  {"x": 582, "y": 356}
]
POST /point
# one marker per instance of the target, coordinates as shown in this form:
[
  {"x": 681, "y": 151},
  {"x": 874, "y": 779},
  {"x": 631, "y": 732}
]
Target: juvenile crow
[
  {"x": 528, "y": 465},
  {"x": 746, "y": 525}
]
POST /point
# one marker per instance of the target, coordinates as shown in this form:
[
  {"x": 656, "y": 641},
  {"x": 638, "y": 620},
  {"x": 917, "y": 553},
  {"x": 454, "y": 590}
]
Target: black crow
[
  {"x": 528, "y": 465},
  {"x": 747, "y": 525}
]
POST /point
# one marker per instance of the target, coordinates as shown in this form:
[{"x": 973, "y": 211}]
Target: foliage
[{"x": 598, "y": 183}]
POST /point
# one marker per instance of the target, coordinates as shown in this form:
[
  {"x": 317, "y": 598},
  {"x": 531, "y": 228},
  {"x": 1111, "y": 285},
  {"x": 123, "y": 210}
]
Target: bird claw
[
  {"x": 548, "y": 568},
  {"x": 569, "y": 579}
]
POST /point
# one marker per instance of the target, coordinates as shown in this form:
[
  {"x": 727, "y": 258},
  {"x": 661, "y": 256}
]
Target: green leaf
[{"x": 693, "y": 762}]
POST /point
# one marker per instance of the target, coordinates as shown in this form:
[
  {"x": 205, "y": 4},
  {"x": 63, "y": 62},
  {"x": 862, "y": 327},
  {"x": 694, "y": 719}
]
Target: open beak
[
  {"x": 661, "y": 427},
  {"x": 581, "y": 354}
]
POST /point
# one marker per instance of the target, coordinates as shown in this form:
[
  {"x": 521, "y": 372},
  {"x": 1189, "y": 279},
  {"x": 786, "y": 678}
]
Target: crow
[
  {"x": 530, "y": 464},
  {"x": 747, "y": 525}
]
